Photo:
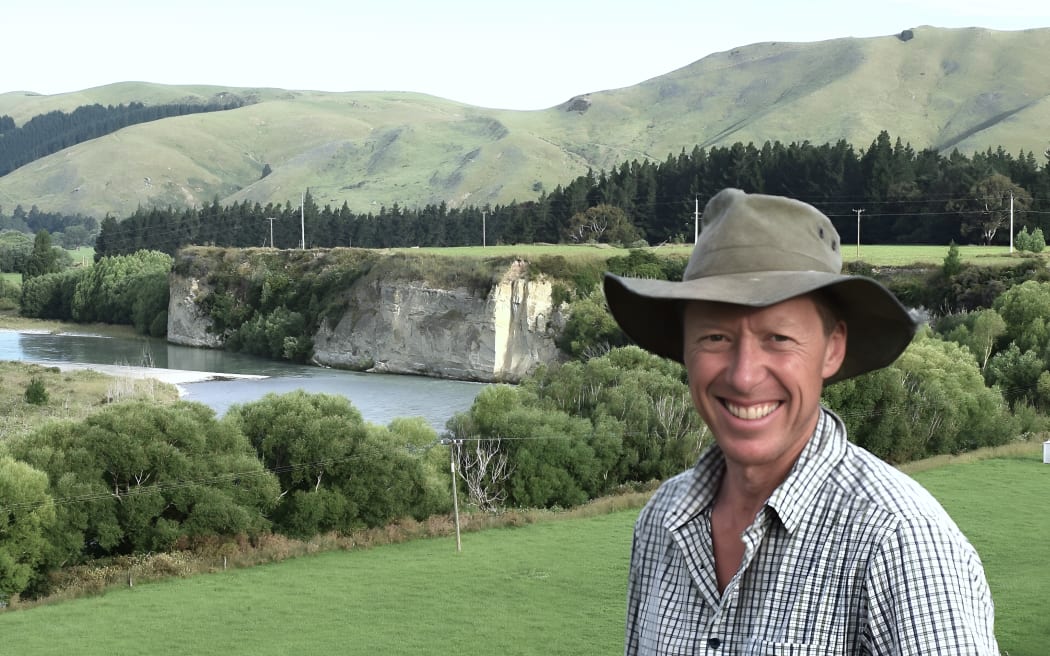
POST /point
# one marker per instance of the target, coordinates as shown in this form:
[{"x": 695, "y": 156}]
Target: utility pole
[
  {"x": 271, "y": 219},
  {"x": 302, "y": 221},
  {"x": 455, "y": 498},
  {"x": 1011, "y": 222},
  {"x": 483, "y": 213},
  {"x": 858, "y": 232},
  {"x": 696, "y": 219}
]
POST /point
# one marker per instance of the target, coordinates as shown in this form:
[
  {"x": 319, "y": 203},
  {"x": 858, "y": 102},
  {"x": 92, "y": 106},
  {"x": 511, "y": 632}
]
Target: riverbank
[
  {"x": 172, "y": 376},
  {"x": 67, "y": 395},
  {"x": 11, "y": 320},
  {"x": 13, "y": 323}
]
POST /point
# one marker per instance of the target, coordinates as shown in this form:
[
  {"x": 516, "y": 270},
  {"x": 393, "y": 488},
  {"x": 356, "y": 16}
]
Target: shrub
[
  {"x": 952, "y": 261},
  {"x": 1023, "y": 241},
  {"x": 129, "y": 463},
  {"x": 36, "y": 392},
  {"x": 1037, "y": 242}
]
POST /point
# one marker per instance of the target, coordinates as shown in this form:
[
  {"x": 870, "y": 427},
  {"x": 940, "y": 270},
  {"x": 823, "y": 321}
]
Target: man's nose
[{"x": 746, "y": 365}]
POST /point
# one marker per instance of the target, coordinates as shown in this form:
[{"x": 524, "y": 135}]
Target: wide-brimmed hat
[{"x": 758, "y": 250}]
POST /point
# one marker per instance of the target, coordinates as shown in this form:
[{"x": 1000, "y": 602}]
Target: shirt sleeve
[
  {"x": 927, "y": 594},
  {"x": 633, "y": 601}
]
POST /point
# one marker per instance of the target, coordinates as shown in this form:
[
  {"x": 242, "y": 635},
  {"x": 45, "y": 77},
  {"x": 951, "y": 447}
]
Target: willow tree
[{"x": 989, "y": 206}]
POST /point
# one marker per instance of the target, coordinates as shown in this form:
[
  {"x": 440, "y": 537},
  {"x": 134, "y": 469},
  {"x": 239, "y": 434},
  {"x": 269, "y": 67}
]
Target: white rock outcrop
[
  {"x": 415, "y": 328},
  {"x": 187, "y": 324}
]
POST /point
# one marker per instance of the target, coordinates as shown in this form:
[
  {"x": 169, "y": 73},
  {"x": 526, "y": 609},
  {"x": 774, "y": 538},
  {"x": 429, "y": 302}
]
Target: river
[{"x": 379, "y": 397}]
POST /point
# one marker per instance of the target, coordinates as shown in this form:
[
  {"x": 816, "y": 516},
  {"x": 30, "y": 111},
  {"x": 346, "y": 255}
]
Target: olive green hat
[{"x": 759, "y": 250}]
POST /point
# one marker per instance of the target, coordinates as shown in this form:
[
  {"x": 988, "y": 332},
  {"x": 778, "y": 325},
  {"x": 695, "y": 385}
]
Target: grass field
[
  {"x": 875, "y": 255},
  {"x": 550, "y": 588},
  {"x": 1001, "y": 506}
]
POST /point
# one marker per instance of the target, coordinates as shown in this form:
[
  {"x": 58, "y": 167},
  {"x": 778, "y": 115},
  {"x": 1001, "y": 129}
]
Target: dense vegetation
[
  {"x": 135, "y": 478},
  {"x": 49, "y": 133},
  {"x": 904, "y": 196},
  {"x": 125, "y": 289}
]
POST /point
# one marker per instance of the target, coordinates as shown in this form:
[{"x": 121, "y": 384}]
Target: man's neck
[{"x": 744, "y": 490}]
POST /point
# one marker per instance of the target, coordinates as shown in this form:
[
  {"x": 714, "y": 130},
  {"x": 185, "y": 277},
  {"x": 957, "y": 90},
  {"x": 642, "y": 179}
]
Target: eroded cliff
[{"x": 400, "y": 322}]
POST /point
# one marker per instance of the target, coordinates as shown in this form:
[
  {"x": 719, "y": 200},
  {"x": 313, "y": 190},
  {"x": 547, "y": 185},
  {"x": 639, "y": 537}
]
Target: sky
[{"x": 507, "y": 54}]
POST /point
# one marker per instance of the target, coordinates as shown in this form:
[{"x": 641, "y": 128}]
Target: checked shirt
[{"x": 848, "y": 556}]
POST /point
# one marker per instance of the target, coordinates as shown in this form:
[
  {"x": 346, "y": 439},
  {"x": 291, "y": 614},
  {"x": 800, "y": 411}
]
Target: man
[{"x": 785, "y": 538}]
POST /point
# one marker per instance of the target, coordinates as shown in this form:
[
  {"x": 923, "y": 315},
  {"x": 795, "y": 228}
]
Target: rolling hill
[{"x": 970, "y": 89}]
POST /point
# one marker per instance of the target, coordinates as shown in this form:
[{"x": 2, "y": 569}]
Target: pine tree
[{"x": 43, "y": 259}]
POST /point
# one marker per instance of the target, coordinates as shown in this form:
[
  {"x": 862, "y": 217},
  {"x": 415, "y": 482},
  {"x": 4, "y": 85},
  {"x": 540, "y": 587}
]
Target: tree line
[
  {"x": 903, "y": 196},
  {"x": 69, "y": 230},
  {"x": 49, "y": 133}
]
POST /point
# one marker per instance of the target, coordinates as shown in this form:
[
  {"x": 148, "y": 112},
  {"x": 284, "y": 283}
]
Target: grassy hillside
[{"x": 948, "y": 88}]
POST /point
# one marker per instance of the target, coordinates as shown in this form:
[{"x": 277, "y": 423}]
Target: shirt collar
[
  {"x": 792, "y": 498},
  {"x": 703, "y": 486}
]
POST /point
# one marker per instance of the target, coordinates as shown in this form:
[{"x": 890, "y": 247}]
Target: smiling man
[{"x": 785, "y": 538}]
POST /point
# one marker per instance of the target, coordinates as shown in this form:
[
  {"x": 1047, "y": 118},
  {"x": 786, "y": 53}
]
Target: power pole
[
  {"x": 455, "y": 498},
  {"x": 1011, "y": 222},
  {"x": 271, "y": 219},
  {"x": 483, "y": 213},
  {"x": 696, "y": 219},
  {"x": 858, "y": 232},
  {"x": 302, "y": 221}
]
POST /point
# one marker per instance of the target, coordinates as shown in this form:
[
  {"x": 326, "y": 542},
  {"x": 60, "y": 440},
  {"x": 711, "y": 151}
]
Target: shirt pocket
[{"x": 766, "y": 648}]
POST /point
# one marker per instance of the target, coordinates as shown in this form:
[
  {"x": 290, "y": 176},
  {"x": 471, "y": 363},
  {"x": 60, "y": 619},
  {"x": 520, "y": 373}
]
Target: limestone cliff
[
  {"x": 187, "y": 324},
  {"x": 414, "y": 327}
]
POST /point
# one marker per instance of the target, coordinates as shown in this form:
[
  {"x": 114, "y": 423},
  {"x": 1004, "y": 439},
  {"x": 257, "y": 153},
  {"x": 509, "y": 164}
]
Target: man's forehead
[{"x": 794, "y": 307}]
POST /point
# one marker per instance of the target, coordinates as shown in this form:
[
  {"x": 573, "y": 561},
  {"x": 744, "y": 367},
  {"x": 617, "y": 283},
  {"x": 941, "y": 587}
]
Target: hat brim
[{"x": 879, "y": 328}]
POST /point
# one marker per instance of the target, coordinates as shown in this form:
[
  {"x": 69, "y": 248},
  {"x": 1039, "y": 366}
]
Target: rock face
[
  {"x": 414, "y": 328},
  {"x": 187, "y": 325}
]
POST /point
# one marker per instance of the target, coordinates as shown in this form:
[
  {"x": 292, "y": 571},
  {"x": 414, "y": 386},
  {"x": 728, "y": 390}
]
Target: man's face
[{"x": 755, "y": 375}]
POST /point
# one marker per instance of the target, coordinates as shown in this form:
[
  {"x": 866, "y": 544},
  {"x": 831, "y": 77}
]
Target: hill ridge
[{"x": 967, "y": 88}]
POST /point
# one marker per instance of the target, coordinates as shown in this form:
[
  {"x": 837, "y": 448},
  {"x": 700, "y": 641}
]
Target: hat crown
[{"x": 751, "y": 233}]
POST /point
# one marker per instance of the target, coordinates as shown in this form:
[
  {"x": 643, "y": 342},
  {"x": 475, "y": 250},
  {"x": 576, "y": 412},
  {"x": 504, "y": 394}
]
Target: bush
[
  {"x": 113, "y": 285},
  {"x": 336, "y": 474},
  {"x": 952, "y": 261},
  {"x": 932, "y": 400},
  {"x": 280, "y": 335},
  {"x": 1037, "y": 242},
  {"x": 36, "y": 392},
  {"x": 129, "y": 464},
  {"x": 590, "y": 329},
  {"x": 1032, "y": 243},
  {"x": 51, "y": 296},
  {"x": 1022, "y": 240},
  {"x": 149, "y": 294}
]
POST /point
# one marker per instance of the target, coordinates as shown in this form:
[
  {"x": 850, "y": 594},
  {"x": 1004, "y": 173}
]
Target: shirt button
[{"x": 714, "y": 643}]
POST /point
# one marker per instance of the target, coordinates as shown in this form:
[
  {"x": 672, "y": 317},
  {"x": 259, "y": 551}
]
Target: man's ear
[{"x": 835, "y": 352}]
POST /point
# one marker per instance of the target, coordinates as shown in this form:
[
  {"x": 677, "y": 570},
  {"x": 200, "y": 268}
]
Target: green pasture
[
  {"x": 1001, "y": 506},
  {"x": 84, "y": 255},
  {"x": 873, "y": 254},
  {"x": 555, "y": 587}
]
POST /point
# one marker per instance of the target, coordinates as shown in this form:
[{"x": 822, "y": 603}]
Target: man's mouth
[{"x": 750, "y": 411}]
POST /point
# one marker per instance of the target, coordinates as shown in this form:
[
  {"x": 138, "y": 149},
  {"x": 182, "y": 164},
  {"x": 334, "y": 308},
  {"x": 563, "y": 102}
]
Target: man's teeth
[{"x": 751, "y": 411}]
